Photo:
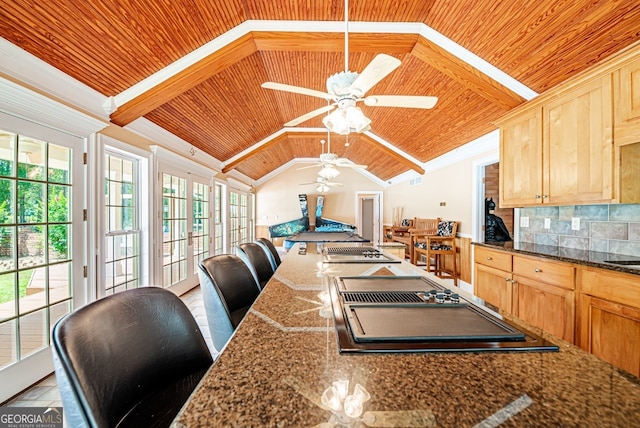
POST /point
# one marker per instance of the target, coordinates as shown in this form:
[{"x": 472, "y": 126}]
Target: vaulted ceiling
[{"x": 194, "y": 67}]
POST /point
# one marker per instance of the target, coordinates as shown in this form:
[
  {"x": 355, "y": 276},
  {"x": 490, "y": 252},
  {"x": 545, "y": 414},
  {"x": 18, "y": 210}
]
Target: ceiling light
[
  {"x": 322, "y": 188},
  {"x": 328, "y": 172},
  {"x": 347, "y": 119}
]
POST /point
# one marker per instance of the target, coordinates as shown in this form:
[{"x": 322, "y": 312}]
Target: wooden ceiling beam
[
  {"x": 184, "y": 80},
  {"x": 231, "y": 165},
  {"x": 466, "y": 74},
  {"x": 389, "y": 152},
  {"x": 293, "y": 134},
  {"x": 334, "y": 42}
]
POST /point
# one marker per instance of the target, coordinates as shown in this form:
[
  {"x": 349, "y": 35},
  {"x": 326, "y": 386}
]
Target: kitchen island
[{"x": 281, "y": 364}]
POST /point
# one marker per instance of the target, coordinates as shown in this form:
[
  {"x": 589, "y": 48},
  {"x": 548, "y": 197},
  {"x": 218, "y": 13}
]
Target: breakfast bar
[{"x": 283, "y": 367}]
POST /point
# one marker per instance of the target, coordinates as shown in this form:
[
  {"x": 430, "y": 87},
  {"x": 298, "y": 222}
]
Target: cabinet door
[
  {"x": 494, "y": 286},
  {"x": 626, "y": 92},
  {"x": 578, "y": 145},
  {"x": 546, "y": 306},
  {"x": 521, "y": 159},
  {"x": 610, "y": 331}
]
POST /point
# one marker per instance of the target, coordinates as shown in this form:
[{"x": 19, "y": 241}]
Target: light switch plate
[
  {"x": 575, "y": 223},
  {"x": 547, "y": 223},
  {"x": 524, "y": 221}
]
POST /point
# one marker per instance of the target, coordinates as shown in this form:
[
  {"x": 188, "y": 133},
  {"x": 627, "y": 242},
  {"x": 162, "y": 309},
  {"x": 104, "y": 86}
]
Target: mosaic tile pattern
[{"x": 604, "y": 228}]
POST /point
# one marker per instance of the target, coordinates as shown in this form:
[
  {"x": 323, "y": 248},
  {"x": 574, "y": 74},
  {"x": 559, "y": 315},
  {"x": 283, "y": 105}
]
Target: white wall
[{"x": 277, "y": 199}]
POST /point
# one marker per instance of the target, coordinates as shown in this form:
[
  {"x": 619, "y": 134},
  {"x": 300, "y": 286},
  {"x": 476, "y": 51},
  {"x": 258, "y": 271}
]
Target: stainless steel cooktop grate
[
  {"x": 358, "y": 251},
  {"x": 382, "y": 297}
]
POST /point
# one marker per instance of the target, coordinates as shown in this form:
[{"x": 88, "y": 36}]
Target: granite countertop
[
  {"x": 284, "y": 356},
  {"x": 570, "y": 255}
]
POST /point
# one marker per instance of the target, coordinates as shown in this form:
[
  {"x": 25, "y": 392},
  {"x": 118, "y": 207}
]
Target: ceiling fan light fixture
[
  {"x": 322, "y": 188},
  {"x": 344, "y": 120},
  {"x": 328, "y": 172}
]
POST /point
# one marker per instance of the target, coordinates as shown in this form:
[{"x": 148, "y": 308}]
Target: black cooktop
[{"x": 416, "y": 314}]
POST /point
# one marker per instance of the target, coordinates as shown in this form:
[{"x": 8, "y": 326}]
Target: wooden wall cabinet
[
  {"x": 560, "y": 150},
  {"x": 626, "y": 91},
  {"x": 609, "y": 317},
  {"x": 578, "y": 143}
]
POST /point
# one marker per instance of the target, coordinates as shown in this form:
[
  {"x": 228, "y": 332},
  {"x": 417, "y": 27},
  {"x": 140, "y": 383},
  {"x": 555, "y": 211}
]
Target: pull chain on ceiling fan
[{"x": 345, "y": 89}]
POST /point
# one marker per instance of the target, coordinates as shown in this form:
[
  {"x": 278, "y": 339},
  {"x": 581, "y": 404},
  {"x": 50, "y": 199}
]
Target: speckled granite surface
[
  {"x": 284, "y": 355},
  {"x": 570, "y": 255}
]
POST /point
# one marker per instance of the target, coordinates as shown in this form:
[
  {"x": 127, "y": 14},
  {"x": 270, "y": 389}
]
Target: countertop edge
[{"x": 599, "y": 265}]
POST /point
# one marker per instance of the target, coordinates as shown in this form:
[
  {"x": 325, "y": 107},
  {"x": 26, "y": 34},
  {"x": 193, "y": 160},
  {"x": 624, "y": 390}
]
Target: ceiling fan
[
  {"x": 345, "y": 89},
  {"x": 323, "y": 184},
  {"x": 329, "y": 161},
  {"x": 322, "y": 181}
]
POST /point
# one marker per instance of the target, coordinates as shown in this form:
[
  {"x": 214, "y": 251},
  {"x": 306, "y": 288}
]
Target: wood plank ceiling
[{"x": 218, "y": 106}]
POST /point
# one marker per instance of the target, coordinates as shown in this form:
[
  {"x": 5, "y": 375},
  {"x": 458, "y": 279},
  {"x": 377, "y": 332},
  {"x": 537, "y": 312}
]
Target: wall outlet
[
  {"x": 524, "y": 221},
  {"x": 547, "y": 223},
  {"x": 443, "y": 204},
  {"x": 575, "y": 223}
]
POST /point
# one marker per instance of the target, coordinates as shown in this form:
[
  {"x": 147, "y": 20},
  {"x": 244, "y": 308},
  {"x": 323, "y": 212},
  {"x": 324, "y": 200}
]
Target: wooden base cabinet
[
  {"x": 545, "y": 295},
  {"x": 536, "y": 290},
  {"x": 495, "y": 287},
  {"x": 546, "y": 306},
  {"x": 609, "y": 317},
  {"x": 492, "y": 277}
]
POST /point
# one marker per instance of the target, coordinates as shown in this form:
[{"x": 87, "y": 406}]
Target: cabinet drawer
[
  {"x": 614, "y": 286},
  {"x": 493, "y": 258},
  {"x": 554, "y": 273}
]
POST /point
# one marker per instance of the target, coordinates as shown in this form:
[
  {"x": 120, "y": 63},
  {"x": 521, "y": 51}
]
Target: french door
[
  {"x": 42, "y": 245},
  {"x": 186, "y": 214}
]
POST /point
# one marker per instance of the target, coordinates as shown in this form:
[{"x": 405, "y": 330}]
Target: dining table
[{"x": 283, "y": 367}]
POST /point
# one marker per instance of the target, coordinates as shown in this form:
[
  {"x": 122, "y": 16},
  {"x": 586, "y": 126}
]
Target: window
[{"x": 122, "y": 234}]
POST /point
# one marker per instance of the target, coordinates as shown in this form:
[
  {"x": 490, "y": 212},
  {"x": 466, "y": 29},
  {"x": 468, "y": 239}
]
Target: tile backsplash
[{"x": 604, "y": 228}]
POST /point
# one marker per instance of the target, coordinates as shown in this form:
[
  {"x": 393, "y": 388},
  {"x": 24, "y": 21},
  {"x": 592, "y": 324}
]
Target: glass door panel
[
  {"x": 37, "y": 281},
  {"x": 186, "y": 226}
]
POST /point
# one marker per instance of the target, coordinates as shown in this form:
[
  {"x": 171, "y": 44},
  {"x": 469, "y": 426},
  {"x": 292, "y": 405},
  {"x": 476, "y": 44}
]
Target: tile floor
[{"x": 45, "y": 393}]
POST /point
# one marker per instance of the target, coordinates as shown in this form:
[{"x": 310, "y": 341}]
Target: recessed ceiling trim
[
  {"x": 155, "y": 133},
  {"x": 201, "y": 54}
]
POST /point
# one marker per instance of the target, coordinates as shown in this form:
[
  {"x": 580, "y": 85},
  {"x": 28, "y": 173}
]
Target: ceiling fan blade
[
  {"x": 377, "y": 70},
  {"x": 332, "y": 184},
  {"x": 307, "y": 116},
  {"x": 315, "y": 165},
  {"x": 408, "y": 101},
  {"x": 351, "y": 165},
  {"x": 297, "y": 90},
  {"x": 344, "y": 162}
]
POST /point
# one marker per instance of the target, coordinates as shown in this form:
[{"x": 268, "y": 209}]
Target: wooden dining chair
[{"x": 439, "y": 248}]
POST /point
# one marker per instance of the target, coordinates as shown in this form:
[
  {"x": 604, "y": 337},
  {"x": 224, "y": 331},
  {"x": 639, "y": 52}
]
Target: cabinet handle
[
  {"x": 507, "y": 279},
  {"x": 537, "y": 196},
  {"x": 544, "y": 196},
  {"x": 489, "y": 258},
  {"x": 537, "y": 270},
  {"x": 514, "y": 282}
]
